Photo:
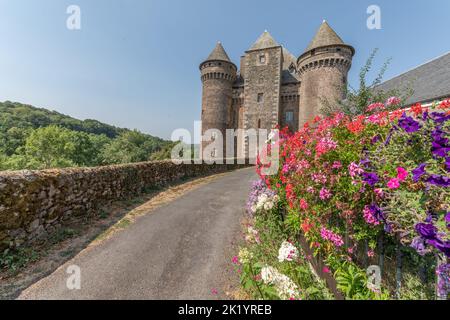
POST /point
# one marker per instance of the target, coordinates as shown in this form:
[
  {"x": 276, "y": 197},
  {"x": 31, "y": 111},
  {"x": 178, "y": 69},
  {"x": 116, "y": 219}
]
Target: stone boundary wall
[{"x": 34, "y": 203}]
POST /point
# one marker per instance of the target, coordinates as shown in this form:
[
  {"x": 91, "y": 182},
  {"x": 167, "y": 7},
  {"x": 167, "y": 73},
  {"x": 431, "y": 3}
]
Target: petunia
[
  {"x": 439, "y": 181},
  {"x": 409, "y": 124},
  {"x": 419, "y": 245},
  {"x": 426, "y": 230},
  {"x": 371, "y": 178},
  {"x": 419, "y": 172},
  {"x": 447, "y": 164},
  {"x": 402, "y": 174},
  {"x": 394, "y": 183},
  {"x": 447, "y": 219},
  {"x": 439, "y": 117}
]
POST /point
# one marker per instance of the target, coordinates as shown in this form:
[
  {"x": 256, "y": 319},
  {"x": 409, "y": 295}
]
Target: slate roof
[
  {"x": 264, "y": 41},
  {"x": 325, "y": 36},
  {"x": 218, "y": 53},
  {"x": 429, "y": 81}
]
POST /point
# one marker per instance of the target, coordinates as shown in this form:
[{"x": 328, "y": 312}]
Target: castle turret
[
  {"x": 323, "y": 70},
  {"x": 218, "y": 74}
]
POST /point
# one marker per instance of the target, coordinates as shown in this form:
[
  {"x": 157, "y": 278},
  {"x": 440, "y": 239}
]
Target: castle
[{"x": 272, "y": 87}]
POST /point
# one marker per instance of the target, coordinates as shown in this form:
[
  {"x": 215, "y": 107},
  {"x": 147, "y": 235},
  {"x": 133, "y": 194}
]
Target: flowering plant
[{"x": 345, "y": 181}]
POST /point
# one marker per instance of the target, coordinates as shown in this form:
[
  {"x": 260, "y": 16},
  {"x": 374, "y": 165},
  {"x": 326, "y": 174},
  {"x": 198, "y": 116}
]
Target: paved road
[{"x": 178, "y": 251}]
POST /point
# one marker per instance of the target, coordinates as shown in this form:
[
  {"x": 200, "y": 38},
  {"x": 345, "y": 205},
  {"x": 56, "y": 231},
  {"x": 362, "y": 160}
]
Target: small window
[
  {"x": 344, "y": 79},
  {"x": 338, "y": 49},
  {"x": 289, "y": 116},
  {"x": 260, "y": 98},
  {"x": 313, "y": 52},
  {"x": 262, "y": 58}
]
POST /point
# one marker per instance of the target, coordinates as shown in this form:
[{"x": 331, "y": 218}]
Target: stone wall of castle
[
  {"x": 33, "y": 204},
  {"x": 324, "y": 77}
]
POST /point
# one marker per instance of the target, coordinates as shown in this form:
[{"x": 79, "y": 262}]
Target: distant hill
[
  {"x": 25, "y": 132},
  {"x": 14, "y": 114}
]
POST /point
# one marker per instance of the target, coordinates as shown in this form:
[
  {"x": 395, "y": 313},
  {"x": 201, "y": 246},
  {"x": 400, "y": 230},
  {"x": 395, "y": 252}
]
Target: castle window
[
  {"x": 260, "y": 98},
  {"x": 338, "y": 49},
  {"x": 313, "y": 52},
  {"x": 289, "y": 116},
  {"x": 344, "y": 79},
  {"x": 262, "y": 58}
]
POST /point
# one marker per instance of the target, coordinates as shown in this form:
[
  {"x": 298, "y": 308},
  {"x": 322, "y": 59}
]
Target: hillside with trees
[{"x": 36, "y": 138}]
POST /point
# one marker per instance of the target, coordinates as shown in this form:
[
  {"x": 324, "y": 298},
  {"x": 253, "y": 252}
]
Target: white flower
[
  {"x": 269, "y": 275},
  {"x": 287, "y": 252},
  {"x": 285, "y": 287},
  {"x": 245, "y": 256}
]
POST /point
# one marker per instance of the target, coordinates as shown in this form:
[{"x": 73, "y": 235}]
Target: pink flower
[
  {"x": 310, "y": 190},
  {"x": 331, "y": 236},
  {"x": 393, "y": 101},
  {"x": 375, "y": 106},
  {"x": 325, "y": 194},
  {"x": 379, "y": 192},
  {"x": 337, "y": 165},
  {"x": 370, "y": 253},
  {"x": 355, "y": 170},
  {"x": 326, "y": 270},
  {"x": 394, "y": 183},
  {"x": 235, "y": 260},
  {"x": 214, "y": 292},
  {"x": 370, "y": 217},
  {"x": 402, "y": 174},
  {"x": 303, "y": 204}
]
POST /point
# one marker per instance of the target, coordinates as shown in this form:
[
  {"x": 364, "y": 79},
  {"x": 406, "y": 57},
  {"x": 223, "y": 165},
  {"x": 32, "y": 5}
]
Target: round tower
[
  {"x": 218, "y": 74},
  {"x": 323, "y": 69}
]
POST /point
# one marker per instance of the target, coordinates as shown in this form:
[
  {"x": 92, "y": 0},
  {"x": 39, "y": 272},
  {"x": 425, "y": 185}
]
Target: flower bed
[{"x": 373, "y": 190}]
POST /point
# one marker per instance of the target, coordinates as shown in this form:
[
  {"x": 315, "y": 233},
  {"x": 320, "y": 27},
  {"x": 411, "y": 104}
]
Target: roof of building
[
  {"x": 325, "y": 36},
  {"x": 264, "y": 41},
  {"x": 288, "y": 59},
  {"x": 428, "y": 82},
  {"x": 218, "y": 53}
]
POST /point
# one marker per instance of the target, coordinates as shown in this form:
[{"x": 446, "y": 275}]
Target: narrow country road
[{"x": 178, "y": 251}]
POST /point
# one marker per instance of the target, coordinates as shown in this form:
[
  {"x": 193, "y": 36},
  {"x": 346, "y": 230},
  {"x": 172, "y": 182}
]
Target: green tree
[{"x": 130, "y": 146}]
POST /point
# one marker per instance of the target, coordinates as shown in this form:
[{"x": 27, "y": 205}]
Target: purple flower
[
  {"x": 419, "y": 172},
  {"x": 439, "y": 181},
  {"x": 425, "y": 116},
  {"x": 419, "y": 245},
  {"x": 377, "y": 212},
  {"x": 440, "y": 117},
  {"x": 375, "y": 139},
  {"x": 447, "y": 164},
  {"x": 427, "y": 231},
  {"x": 443, "y": 273},
  {"x": 443, "y": 246},
  {"x": 447, "y": 219},
  {"x": 440, "y": 146},
  {"x": 371, "y": 178},
  {"x": 409, "y": 124}
]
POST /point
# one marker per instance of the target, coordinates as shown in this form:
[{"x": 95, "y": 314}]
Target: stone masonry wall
[{"x": 34, "y": 203}]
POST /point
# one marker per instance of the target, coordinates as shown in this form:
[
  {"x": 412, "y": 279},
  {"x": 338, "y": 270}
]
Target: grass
[{"x": 12, "y": 260}]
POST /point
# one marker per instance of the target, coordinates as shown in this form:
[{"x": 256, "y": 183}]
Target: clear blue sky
[{"x": 135, "y": 63}]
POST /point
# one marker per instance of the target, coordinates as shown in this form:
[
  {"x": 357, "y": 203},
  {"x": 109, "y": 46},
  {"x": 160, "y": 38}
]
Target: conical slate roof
[
  {"x": 219, "y": 53},
  {"x": 325, "y": 36},
  {"x": 264, "y": 41}
]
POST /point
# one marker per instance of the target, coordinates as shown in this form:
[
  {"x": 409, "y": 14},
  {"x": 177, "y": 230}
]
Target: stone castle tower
[{"x": 272, "y": 87}]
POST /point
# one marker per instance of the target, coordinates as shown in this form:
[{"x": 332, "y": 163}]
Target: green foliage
[
  {"x": 13, "y": 260},
  {"x": 32, "y": 138},
  {"x": 272, "y": 231}
]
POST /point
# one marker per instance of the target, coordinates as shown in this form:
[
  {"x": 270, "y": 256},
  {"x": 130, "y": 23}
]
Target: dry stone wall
[{"x": 34, "y": 203}]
